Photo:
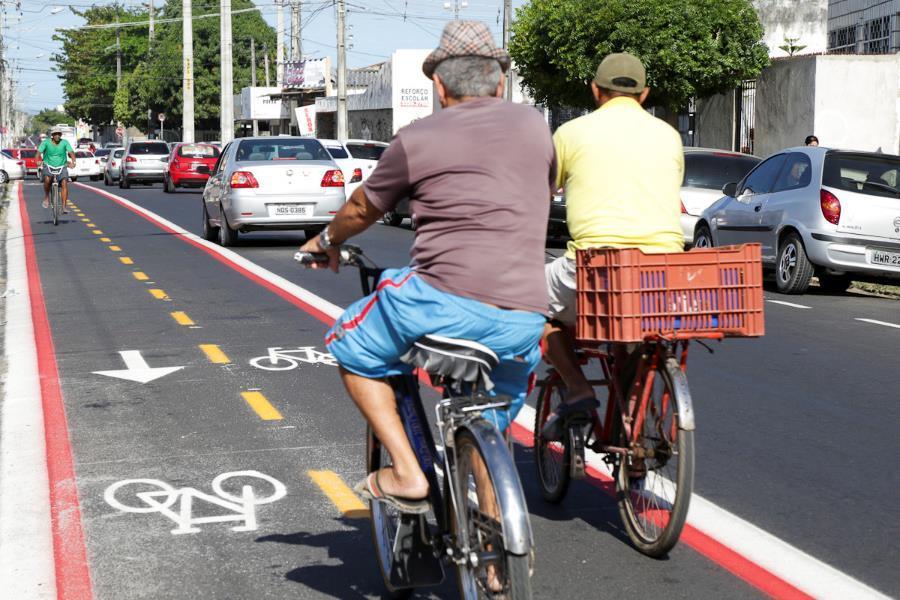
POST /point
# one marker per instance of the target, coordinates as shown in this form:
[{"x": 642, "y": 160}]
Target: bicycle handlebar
[{"x": 350, "y": 256}]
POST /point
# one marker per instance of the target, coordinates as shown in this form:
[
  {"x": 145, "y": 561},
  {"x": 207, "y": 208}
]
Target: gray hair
[{"x": 469, "y": 76}]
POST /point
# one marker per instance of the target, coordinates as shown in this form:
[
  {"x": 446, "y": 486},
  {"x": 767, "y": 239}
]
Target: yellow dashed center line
[
  {"x": 115, "y": 248},
  {"x": 91, "y": 225},
  {"x": 181, "y": 318},
  {"x": 97, "y": 232},
  {"x": 159, "y": 294},
  {"x": 80, "y": 214},
  {"x": 340, "y": 494},
  {"x": 126, "y": 261},
  {"x": 140, "y": 276},
  {"x": 263, "y": 407},
  {"x": 86, "y": 220},
  {"x": 215, "y": 354}
]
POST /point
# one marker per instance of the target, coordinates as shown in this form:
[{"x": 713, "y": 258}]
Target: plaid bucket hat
[{"x": 465, "y": 38}]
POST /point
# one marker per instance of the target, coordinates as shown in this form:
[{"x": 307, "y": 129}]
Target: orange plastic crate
[{"x": 625, "y": 295}]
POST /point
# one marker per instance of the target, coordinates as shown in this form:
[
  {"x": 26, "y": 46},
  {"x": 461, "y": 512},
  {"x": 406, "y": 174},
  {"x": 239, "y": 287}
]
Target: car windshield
[
  {"x": 83, "y": 154},
  {"x": 873, "y": 174},
  {"x": 712, "y": 170},
  {"x": 118, "y": 153},
  {"x": 28, "y": 153},
  {"x": 198, "y": 151},
  {"x": 337, "y": 151},
  {"x": 102, "y": 152},
  {"x": 275, "y": 149},
  {"x": 151, "y": 148},
  {"x": 366, "y": 151}
]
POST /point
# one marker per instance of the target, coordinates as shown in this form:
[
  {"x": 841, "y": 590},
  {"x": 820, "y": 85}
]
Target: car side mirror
[{"x": 729, "y": 189}]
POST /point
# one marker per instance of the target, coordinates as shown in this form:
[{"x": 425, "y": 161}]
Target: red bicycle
[{"x": 656, "y": 304}]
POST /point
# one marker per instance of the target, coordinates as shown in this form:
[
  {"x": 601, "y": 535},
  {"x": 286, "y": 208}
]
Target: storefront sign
[
  {"x": 256, "y": 103},
  {"x": 415, "y": 97},
  {"x": 305, "y": 73}
]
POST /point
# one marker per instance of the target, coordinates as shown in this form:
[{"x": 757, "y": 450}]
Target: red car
[
  {"x": 190, "y": 165},
  {"x": 26, "y": 155}
]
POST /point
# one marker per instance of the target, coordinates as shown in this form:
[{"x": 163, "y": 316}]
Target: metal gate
[{"x": 744, "y": 115}]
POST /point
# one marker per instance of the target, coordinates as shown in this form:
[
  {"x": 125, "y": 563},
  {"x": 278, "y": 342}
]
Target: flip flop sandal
[{"x": 370, "y": 489}]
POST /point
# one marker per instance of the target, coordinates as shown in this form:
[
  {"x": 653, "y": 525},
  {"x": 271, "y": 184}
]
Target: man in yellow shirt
[{"x": 622, "y": 170}]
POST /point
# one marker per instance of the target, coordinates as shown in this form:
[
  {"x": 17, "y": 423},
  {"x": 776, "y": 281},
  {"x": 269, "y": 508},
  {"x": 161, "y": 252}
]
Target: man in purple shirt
[{"x": 479, "y": 176}]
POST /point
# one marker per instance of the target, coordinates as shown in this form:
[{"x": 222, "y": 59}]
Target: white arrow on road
[{"x": 137, "y": 369}]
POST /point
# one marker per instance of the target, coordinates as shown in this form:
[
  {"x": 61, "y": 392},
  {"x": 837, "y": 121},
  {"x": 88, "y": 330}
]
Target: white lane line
[
  {"x": 767, "y": 551},
  {"x": 783, "y": 560},
  {"x": 26, "y": 538},
  {"x": 874, "y": 322},
  {"x": 791, "y": 304}
]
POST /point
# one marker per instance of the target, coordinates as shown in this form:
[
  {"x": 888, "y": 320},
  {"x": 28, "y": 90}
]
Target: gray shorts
[
  {"x": 45, "y": 172},
  {"x": 561, "y": 285}
]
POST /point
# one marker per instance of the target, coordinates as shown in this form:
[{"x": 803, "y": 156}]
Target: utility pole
[
  {"x": 296, "y": 37},
  {"x": 266, "y": 62},
  {"x": 342, "y": 72},
  {"x": 457, "y": 4},
  {"x": 279, "y": 44},
  {"x": 226, "y": 115},
  {"x": 4, "y": 108},
  {"x": 253, "y": 82},
  {"x": 150, "y": 32},
  {"x": 187, "y": 42},
  {"x": 118, "y": 52},
  {"x": 507, "y": 17}
]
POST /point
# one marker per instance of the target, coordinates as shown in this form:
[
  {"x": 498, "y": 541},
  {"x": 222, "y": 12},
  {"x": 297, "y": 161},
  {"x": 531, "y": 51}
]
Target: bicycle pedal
[{"x": 576, "y": 445}]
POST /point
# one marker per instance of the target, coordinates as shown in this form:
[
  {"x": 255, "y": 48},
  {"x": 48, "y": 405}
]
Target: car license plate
[
  {"x": 290, "y": 210},
  {"x": 882, "y": 257}
]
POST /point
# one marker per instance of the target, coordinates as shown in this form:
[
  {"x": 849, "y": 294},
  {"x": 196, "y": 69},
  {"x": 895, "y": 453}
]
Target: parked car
[
  {"x": 356, "y": 158},
  {"x": 103, "y": 155},
  {"x": 271, "y": 183},
  {"x": 28, "y": 156},
  {"x": 189, "y": 165},
  {"x": 112, "y": 145},
  {"x": 10, "y": 167},
  {"x": 113, "y": 168},
  {"x": 144, "y": 162},
  {"x": 557, "y": 226},
  {"x": 705, "y": 172},
  {"x": 832, "y": 213},
  {"x": 86, "y": 165}
]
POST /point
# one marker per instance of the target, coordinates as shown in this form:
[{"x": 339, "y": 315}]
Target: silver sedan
[
  {"x": 832, "y": 213},
  {"x": 271, "y": 183}
]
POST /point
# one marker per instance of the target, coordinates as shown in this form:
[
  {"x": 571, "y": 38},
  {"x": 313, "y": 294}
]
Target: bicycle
[
  {"x": 646, "y": 432},
  {"x": 55, "y": 200},
  {"x": 480, "y": 522}
]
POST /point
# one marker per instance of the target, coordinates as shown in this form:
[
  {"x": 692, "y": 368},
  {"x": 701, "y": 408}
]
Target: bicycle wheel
[
  {"x": 54, "y": 204},
  {"x": 654, "y": 483},
  {"x": 552, "y": 459},
  {"x": 384, "y": 521},
  {"x": 494, "y": 573}
]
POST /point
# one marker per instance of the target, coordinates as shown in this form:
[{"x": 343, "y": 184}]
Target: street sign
[
  {"x": 161, "y": 117},
  {"x": 120, "y": 131}
]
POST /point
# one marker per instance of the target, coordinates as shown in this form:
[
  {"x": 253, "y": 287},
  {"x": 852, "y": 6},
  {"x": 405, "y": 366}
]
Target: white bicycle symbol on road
[
  {"x": 285, "y": 359},
  {"x": 157, "y": 496}
]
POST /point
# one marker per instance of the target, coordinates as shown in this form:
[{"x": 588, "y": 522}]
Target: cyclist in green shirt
[{"x": 56, "y": 152}]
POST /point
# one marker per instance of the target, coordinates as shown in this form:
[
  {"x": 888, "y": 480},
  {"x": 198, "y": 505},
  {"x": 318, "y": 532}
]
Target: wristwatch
[{"x": 324, "y": 239}]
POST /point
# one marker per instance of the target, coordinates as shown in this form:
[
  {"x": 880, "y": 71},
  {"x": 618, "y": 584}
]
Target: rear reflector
[
  {"x": 831, "y": 207},
  {"x": 357, "y": 176},
  {"x": 243, "y": 179},
  {"x": 333, "y": 178}
]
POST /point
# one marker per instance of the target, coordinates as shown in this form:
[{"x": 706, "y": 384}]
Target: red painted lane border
[
  {"x": 73, "y": 577},
  {"x": 755, "y": 575}
]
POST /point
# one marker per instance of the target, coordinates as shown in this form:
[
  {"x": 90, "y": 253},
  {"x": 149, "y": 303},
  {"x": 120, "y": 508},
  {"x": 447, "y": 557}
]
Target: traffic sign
[
  {"x": 161, "y": 117},
  {"x": 120, "y": 131}
]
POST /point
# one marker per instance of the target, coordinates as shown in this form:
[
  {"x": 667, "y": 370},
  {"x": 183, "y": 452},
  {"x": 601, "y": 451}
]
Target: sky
[{"x": 377, "y": 27}]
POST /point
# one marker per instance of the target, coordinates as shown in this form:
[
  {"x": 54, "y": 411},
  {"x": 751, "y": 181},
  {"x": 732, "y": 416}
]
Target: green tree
[
  {"x": 791, "y": 47},
  {"x": 131, "y": 98},
  {"x": 87, "y": 62},
  {"x": 42, "y": 121},
  {"x": 691, "y": 48}
]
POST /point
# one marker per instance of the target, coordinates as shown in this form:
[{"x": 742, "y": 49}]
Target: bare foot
[{"x": 414, "y": 487}]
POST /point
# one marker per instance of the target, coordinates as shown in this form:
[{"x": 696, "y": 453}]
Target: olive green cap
[{"x": 621, "y": 72}]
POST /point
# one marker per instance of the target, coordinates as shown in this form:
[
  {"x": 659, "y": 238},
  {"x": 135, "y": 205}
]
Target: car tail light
[
  {"x": 113, "y": 163},
  {"x": 831, "y": 207},
  {"x": 97, "y": 162},
  {"x": 683, "y": 209},
  {"x": 130, "y": 159},
  {"x": 357, "y": 176},
  {"x": 243, "y": 179},
  {"x": 21, "y": 163},
  {"x": 333, "y": 178}
]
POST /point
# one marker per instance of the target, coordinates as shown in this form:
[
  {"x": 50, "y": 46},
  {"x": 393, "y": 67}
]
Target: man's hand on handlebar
[{"x": 334, "y": 255}]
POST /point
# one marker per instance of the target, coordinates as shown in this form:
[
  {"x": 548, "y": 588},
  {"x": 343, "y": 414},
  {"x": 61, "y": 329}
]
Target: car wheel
[
  {"x": 4, "y": 177},
  {"x": 835, "y": 284},
  {"x": 166, "y": 187},
  {"x": 391, "y": 218},
  {"x": 124, "y": 183},
  {"x": 210, "y": 233},
  {"x": 74, "y": 179},
  {"x": 793, "y": 270},
  {"x": 703, "y": 237},
  {"x": 227, "y": 235},
  {"x": 106, "y": 180},
  {"x": 169, "y": 185}
]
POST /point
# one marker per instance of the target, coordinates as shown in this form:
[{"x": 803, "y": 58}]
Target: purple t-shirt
[{"x": 479, "y": 176}]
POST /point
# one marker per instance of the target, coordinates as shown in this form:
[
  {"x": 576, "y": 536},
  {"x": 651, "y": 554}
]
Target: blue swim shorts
[{"x": 374, "y": 332}]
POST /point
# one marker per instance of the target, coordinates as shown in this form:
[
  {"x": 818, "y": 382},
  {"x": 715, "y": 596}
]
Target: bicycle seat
[{"x": 460, "y": 360}]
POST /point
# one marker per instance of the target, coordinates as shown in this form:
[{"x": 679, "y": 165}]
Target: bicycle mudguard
[
  {"x": 516, "y": 525},
  {"x": 414, "y": 563},
  {"x": 682, "y": 395}
]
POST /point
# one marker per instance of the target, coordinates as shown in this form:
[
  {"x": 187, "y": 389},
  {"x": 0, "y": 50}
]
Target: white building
[{"x": 805, "y": 22}]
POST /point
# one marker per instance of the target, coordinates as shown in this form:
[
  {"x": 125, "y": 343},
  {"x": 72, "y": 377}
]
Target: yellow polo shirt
[{"x": 622, "y": 169}]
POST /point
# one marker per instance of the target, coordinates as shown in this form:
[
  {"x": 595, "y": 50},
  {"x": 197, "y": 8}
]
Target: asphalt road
[{"x": 796, "y": 430}]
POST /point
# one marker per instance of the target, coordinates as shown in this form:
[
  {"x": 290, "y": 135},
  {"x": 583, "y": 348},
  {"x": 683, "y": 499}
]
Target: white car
[
  {"x": 86, "y": 165},
  {"x": 11, "y": 168},
  {"x": 356, "y": 158}
]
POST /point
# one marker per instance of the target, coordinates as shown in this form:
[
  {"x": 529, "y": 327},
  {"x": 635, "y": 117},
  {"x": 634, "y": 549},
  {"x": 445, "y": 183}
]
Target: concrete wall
[
  {"x": 806, "y": 20},
  {"x": 714, "y": 122},
  {"x": 785, "y": 105},
  {"x": 856, "y": 102},
  {"x": 375, "y": 125}
]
